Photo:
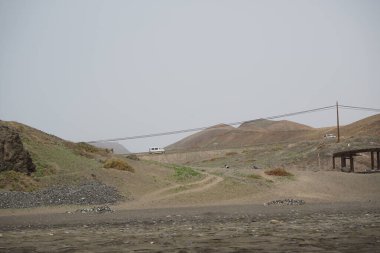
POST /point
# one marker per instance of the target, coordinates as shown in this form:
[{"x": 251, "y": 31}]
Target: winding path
[{"x": 181, "y": 189}]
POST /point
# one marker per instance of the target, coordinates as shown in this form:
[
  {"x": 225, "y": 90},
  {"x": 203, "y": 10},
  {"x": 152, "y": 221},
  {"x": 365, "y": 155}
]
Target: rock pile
[
  {"x": 99, "y": 209},
  {"x": 286, "y": 202},
  {"x": 89, "y": 193},
  {"x": 13, "y": 156}
]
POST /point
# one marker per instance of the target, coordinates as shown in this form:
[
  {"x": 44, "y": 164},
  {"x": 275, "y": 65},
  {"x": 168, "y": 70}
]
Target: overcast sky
[{"x": 89, "y": 70}]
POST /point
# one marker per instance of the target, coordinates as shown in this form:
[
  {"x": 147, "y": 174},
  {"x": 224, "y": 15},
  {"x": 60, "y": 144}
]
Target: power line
[
  {"x": 203, "y": 128},
  {"x": 359, "y": 108},
  {"x": 239, "y": 122}
]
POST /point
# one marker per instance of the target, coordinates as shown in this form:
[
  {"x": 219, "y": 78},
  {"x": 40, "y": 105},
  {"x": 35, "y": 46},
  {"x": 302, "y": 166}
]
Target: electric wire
[
  {"x": 203, "y": 128},
  {"x": 238, "y": 122},
  {"x": 359, "y": 108}
]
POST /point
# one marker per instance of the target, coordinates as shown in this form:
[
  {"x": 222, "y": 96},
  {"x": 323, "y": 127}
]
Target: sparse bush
[
  {"x": 231, "y": 153},
  {"x": 280, "y": 172},
  {"x": 119, "y": 164},
  {"x": 276, "y": 148},
  {"x": 87, "y": 150},
  {"x": 254, "y": 176},
  {"x": 87, "y": 147},
  {"x": 133, "y": 157}
]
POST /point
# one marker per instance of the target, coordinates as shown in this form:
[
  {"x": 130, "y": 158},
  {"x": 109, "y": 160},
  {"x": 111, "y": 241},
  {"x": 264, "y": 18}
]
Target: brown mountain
[
  {"x": 206, "y": 138},
  {"x": 366, "y": 126},
  {"x": 248, "y": 133},
  {"x": 271, "y": 125},
  {"x": 264, "y": 131}
]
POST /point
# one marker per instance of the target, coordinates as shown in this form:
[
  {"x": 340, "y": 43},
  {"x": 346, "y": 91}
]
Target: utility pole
[{"x": 337, "y": 121}]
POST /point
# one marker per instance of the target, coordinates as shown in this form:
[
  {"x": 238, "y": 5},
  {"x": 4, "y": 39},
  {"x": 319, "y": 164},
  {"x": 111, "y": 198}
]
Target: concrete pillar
[
  {"x": 343, "y": 161},
  {"x": 351, "y": 163}
]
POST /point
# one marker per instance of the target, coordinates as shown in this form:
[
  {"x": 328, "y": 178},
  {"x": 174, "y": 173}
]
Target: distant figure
[{"x": 226, "y": 166}]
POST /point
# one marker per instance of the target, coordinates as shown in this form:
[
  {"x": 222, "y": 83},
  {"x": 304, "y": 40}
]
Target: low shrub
[
  {"x": 278, "y": 172},
  {"x": 254, "y": 176},
  {"x": 118, "y": 164},
  {"x": 87, "y": 150},
  {"x": 182, "y": 173},
  {"x": 133, "y": 157}
]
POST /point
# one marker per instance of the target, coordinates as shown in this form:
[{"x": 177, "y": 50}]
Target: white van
[
  {"x": 329, "y": 136},
  {"x": 156, "y": 151}
]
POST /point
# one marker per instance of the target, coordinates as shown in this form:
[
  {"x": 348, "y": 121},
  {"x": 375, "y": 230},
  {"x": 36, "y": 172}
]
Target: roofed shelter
[{"x": 350, "y": 154}]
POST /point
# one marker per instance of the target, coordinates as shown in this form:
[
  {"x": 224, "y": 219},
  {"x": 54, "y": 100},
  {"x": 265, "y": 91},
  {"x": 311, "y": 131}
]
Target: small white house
[{"x": 156, "y": 151}]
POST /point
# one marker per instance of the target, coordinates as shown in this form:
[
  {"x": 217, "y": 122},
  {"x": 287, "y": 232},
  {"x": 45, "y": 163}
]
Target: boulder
[{"x": 13, "y": 155}]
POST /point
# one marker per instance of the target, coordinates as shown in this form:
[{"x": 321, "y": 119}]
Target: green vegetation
[
  {"x": 182, "y": 173},
  {"x": 58, "y": 157},
  {"x": 280, "y": 172},
  {"x": 231, "y": 153},
  {"x": 57, "y": 161},
  {"x": 118, "y": 164}
]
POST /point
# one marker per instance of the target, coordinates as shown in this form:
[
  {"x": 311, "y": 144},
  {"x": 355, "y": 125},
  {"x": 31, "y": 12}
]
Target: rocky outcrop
[{"x": 13, "y": 156}]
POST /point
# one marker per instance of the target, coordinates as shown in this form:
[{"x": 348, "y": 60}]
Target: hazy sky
[{"x": 88, "y": 70}]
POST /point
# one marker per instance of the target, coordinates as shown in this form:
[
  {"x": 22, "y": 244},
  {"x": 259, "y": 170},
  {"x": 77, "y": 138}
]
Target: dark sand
[{"x": 324, "y": 227}]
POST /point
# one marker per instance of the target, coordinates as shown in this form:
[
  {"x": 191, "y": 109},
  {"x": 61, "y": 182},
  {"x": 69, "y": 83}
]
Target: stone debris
[
  {"x": 98, "y": 209},
  {"x": 286, "y": 202},
  {"x": 89, "y": 193}
]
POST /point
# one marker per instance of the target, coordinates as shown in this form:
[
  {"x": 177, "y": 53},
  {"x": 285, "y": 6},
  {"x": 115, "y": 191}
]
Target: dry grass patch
[
  {"x": 280, "y": 172},
  {"x": 118, "y": 164},
  {"x": 17, "y": 181}
]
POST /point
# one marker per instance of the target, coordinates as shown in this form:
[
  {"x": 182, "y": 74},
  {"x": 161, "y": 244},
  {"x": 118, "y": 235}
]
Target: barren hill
[
  {"x": 366, "y": 126},
  {"x": 264, "y": 131},
  {"x": 206, "y": 138},
  {"x": 252, "y": 132},
  {"x": 271, "y": 125}
]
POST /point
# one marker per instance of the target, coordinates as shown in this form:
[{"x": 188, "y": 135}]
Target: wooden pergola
[{"x": 350, "y": 154}]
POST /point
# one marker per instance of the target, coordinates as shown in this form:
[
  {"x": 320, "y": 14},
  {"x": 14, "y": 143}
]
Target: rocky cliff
[{"x": 13, "y": 155}]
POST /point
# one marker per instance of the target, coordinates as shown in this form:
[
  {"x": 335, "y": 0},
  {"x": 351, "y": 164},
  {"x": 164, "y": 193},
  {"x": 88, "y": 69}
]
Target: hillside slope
[
  {"x": 54, "y": 157},
  {"x": 77, "y": 173},
  {"x": 207, "y": 138},
  {"x": 364, "y": 127}
]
